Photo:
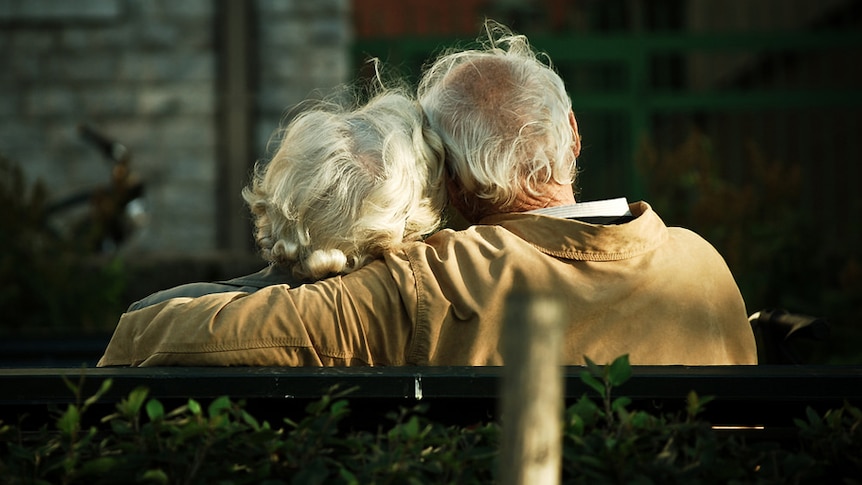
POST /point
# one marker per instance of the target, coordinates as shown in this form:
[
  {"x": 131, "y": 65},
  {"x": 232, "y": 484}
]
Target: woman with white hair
[{"x": 345, "y": 184}]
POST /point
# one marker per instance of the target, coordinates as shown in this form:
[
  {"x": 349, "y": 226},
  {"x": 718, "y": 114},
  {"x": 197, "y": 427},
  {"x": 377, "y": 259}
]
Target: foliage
[
  {"x": 769, "y": 239},
  {"x": 220, "y": 442},
  {"x": 49, "y": 283},
  {"x": 609, "y": 443}
]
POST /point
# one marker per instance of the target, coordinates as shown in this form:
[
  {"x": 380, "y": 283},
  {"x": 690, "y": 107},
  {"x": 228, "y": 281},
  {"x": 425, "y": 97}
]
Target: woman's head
[{"x": 346, "y": 184}]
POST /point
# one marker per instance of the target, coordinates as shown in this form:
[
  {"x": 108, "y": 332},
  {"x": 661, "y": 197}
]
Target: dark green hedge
[{"x": 604, "y": 442}]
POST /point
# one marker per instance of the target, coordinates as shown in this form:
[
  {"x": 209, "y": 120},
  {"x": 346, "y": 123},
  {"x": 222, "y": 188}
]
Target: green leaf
[
  {"x": 576, "y": 425},
  {"x": 155, "y": 410},
  {"x": 348, "y": 477},
  {"x": 812, "y": 415},
  {"x": 411, "y": 428},
  {"x": 584, "y": 408},
  {"x": 640, "y": 419},
  {"x": 190, "y": 429},
  {"x": 98, "y": 466},
  {"x": 620, "y": 403},
  {"x": 178, "y": 411},
  {"x": 219, "y": 406},
  {"x": 120, "y": 427},
  {"x": 314, "y": 408},
  {"x": 154, "y": 476},
  {"x": 692, "y": 404},
  {"x": 68, "y": 422},
  {"x": 594, "y": 368},
  {"x": 131, "y": 406},
  {"x": 620, "y": 371},
  {"x": 72, "y": 386},
  {"x": 250, "y": 420},
  {"x": 194, "y": 407},
  {"x": 340, "y": 407},
  {"x": 106, "y": 384},
  {"x": 695, "y": 403},
  {"x": 219, "y": 420},
  {"x": 591, "y": 381}
]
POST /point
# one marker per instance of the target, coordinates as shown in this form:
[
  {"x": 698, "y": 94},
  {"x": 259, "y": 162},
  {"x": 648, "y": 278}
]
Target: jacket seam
[
  {"x": 259, "y": 344},
  {"x": 416, "y": 351},
  {"x": 237, "y": 346}
]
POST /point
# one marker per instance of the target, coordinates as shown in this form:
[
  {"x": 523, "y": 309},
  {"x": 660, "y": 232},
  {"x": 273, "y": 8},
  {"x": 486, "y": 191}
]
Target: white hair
[
  {"x": 503, "y": 116},
  {"x": 346, "y": 185}
]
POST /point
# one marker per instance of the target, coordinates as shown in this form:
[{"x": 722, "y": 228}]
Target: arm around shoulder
[
  {"x": 357, "y": 319},
  {"x": 221, "y": 329}
]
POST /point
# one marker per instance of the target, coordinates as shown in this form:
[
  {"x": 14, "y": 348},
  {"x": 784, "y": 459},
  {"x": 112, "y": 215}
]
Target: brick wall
[
  {"x": 145, "y": 72},
  {"x": 303, "y": 52}
]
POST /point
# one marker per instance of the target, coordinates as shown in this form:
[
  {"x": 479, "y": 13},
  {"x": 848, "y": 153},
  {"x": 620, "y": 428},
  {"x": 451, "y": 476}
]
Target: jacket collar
[
  {"x": 572, "y": 239},
  {"x": 271, "y": 275}
]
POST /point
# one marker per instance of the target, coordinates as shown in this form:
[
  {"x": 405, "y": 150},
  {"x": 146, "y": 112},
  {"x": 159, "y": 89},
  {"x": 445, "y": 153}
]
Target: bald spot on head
[{"x": 485, "y": 85}]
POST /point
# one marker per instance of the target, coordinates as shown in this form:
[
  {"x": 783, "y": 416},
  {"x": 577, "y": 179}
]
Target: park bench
[
  {"x": 767, "y": 396},
  {"x": 763, "y": 397}
]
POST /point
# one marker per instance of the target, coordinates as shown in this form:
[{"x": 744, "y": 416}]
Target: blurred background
[{"x": 129, "y": 127}]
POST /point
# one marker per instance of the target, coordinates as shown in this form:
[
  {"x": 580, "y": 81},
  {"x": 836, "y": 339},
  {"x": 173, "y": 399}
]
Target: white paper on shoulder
[{"x": 618, "y": 207}]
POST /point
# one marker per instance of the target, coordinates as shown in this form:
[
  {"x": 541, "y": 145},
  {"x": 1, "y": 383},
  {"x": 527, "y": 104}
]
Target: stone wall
[{"x": 146, "y": 73}]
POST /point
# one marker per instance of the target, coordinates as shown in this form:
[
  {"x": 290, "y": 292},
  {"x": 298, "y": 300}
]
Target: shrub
[
  {"x": 49, "y": 284},
  {"x": 604, "y": 442}
]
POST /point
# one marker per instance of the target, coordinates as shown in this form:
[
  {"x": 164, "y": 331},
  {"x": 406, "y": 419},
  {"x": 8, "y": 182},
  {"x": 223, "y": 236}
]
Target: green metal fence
[{"x": 794, "y": 93}]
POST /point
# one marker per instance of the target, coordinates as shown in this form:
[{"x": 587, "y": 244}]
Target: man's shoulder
[{"x": 694, "y": 252}]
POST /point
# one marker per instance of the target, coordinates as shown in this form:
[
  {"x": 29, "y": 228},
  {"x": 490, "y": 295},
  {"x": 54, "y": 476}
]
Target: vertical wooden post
[
  {"x": 532, "y": 391},
  {"x": 236, "y": 43}
]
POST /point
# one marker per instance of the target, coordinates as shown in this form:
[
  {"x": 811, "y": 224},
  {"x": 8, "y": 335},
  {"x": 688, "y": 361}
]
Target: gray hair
[
  {"x": 346, "y": 185},
  {"x": 503, "y": 116}
]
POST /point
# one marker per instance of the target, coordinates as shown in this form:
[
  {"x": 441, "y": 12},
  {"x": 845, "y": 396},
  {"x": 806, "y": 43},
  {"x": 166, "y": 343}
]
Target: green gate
[{"x": 645, "y": 76}]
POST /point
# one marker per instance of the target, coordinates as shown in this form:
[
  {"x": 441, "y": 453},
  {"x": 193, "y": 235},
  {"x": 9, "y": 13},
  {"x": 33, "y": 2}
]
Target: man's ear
[{"x": 577, "y": 136}]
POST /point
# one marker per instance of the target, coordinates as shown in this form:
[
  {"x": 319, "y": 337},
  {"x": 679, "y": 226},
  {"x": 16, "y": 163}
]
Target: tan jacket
[{"x": 662, "y": 295}]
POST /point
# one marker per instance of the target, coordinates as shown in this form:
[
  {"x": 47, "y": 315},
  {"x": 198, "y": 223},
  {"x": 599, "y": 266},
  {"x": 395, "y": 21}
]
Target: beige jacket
[{"x": 662, "y": 295}]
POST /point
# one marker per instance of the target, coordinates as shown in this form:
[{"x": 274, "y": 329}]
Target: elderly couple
[{"x": 345, "y": 208}]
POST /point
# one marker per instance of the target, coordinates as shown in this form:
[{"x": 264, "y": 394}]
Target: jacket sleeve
[{"x": 358, "y": 319}]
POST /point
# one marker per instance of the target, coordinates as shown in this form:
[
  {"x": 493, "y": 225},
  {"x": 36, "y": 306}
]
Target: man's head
[{"x": 505, "y": 119}]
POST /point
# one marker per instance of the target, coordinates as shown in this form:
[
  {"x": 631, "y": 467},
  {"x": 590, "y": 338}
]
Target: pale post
[{"x": 532, "y": 391}]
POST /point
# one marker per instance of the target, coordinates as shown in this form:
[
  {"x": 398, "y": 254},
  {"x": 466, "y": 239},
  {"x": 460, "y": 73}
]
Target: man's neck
[{"x": 553, "y": 195}]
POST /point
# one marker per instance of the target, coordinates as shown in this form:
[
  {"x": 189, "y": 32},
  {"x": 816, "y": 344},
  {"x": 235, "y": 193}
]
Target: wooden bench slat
[{"x": 744, "y": 395}]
